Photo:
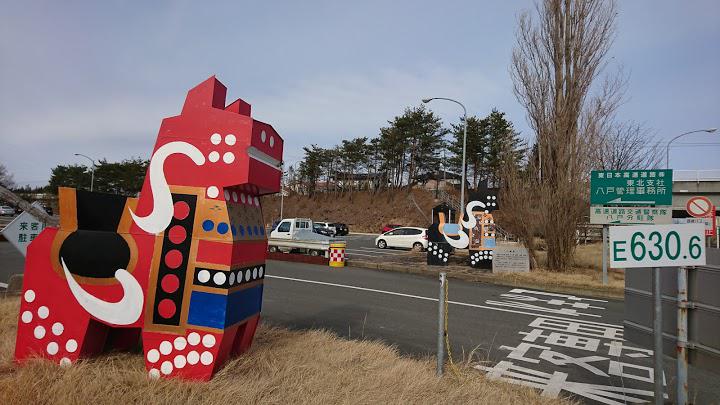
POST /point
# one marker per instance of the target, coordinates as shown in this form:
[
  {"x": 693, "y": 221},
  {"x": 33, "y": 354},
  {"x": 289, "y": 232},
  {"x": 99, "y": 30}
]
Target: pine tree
[
  {"x": 504, "y": 146},
  {"x": 476, "y": 148}
]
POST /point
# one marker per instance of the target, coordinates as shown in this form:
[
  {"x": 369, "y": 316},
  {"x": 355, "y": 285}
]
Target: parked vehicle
[
  {"x": 7, "y": 210},
  {"x": 296, "y": 235},
  {"x": 389, "y": 227},
  {"x": 340, "y": 228},
  {"x": 403, "y": 237},
  {"x": 47, "y": 208},
  {"x": 324, "y": 228},
  {"x": 318, "y": 228}
]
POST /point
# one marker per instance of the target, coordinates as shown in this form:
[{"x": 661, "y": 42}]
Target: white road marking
[{"x": 352, "y": 287}]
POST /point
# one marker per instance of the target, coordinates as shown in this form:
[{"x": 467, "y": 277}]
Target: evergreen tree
[
  {"x": 411, "y": 145},
  {"x": 504, "y": 146},
  {"x": 310, "y": 168},
  {"x": 476, "y": 148}
]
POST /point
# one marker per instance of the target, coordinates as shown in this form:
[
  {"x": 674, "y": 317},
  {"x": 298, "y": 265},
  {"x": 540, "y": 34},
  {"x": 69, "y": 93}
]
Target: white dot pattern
[
  {"x": 212, "y": 192},
  {"x": 193, "y": 357},
  {"x": 206, "y": 358},
  {"x": 219, "y": 278},
  {"x": 194, "y": 337},
  {"x": 71, "y": 345},
  {"x": 153, "y": 356},
  {"x": 180, "y": 343},
  {"x": 203, "y": 277},
  {"x": 208, "y": 341},
  {"x": 179, "y": 361},
  {"x": 215, "y": 139},
  {"x": 52, "y": 348},
  {"x": 165, "y": 347},
  {"x": 166, "y": 368},
  {"x": 39, "y": 332},
  {"x": 29, "y": 296}
]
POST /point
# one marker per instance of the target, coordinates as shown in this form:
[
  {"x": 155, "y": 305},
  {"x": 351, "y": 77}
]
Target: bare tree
[
  {"x": 555, "y": 63},
  {"x": 519, "y": 199},
  {"x": 627, "y": 146}
]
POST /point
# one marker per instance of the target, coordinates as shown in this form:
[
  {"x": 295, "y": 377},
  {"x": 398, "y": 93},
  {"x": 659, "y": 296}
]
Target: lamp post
[
  {"x": 462, "y": 185},
  {"x": 92, "y": 170},
  {"x": 667, "y": 148}
]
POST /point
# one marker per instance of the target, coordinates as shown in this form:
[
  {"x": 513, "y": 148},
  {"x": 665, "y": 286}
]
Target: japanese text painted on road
[{"x": 631, "y": 187}]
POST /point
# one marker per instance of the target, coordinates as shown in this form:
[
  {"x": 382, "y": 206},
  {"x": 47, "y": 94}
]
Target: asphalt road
[
  {"x": 362, "y": 246},
  {"x": 554, "y": 342},
  {"x": 560, "y": 344}
]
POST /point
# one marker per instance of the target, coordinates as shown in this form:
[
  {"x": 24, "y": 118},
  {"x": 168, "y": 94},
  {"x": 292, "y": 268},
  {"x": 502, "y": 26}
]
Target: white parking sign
[
  {"x": 23, "y": 230},
  {"x": 657, "y": 245}
]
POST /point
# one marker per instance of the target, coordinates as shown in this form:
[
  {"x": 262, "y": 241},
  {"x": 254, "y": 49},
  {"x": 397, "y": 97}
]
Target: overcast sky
[{"x": 97, "y": 77}]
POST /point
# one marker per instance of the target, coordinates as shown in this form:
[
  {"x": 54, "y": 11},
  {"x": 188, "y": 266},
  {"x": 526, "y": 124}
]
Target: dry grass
[{"x": 282, "y": 367}]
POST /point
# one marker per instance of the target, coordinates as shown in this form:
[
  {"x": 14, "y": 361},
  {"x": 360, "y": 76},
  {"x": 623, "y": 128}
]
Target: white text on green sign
[{"x": 631, "y": 187}]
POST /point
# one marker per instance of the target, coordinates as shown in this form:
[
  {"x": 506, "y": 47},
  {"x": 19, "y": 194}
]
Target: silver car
[{"x": 7, "y": 210}]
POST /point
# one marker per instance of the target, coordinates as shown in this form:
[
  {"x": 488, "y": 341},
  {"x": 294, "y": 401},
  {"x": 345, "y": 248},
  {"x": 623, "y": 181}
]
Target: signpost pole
[
  {"x": 657, "y": 332},
  {"x": 605, "y": 254},
  {"x": 682, "y": 337},
  {"x": 441, "y": 328}
]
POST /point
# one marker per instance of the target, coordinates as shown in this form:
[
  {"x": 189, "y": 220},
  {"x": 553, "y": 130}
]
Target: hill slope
[{"x": 361, "y": 211}]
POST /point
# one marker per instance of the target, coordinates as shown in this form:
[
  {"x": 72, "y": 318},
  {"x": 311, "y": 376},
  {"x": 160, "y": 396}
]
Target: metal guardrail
[{"x": 703, "y": 311}]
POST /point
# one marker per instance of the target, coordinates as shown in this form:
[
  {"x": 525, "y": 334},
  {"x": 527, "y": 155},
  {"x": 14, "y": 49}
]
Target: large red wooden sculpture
[{"x": 182, "y": 265}]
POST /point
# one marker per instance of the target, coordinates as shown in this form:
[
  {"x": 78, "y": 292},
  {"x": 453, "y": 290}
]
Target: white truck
[{"x": 296, "y": 235}]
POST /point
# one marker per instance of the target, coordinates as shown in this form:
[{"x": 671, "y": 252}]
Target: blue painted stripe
[{"x": 221, "y": 311}]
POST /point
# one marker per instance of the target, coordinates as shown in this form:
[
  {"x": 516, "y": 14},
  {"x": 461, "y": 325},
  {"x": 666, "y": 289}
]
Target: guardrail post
[
  {"x": 605, "y": 254},
  {"x": 682, "y": 336},
  {"x": 657, "y": 332},
  {"x": 441, "y": 327}
]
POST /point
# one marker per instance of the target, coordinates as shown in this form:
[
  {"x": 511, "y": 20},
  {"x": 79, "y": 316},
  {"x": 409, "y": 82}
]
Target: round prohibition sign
[{"x": 699, "y": 207}]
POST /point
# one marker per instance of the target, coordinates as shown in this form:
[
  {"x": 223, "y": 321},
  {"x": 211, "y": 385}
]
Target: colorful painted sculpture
[
  {"x": 476, "y": 233},
  {"x": 182, "y": 266},
  {"x": 438, "y": 251}
]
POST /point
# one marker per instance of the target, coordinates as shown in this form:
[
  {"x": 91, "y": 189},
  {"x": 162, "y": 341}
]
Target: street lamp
[
  {"x": 462, "y": 185},
  {"x": 92, "y": 170},
  {"x": 667, "y": 148}
]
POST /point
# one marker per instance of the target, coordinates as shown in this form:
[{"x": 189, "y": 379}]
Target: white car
[{"x": 403, "y": 237}]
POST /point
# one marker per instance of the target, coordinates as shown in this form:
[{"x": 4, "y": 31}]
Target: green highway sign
[{"x": 631, "y": 187}]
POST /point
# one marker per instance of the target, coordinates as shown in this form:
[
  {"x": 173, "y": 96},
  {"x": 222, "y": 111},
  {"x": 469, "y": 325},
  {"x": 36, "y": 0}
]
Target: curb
[{"x": 489, "y": 279}]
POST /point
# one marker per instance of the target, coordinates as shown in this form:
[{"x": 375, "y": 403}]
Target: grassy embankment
[{"x": 282, "y": 367}]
